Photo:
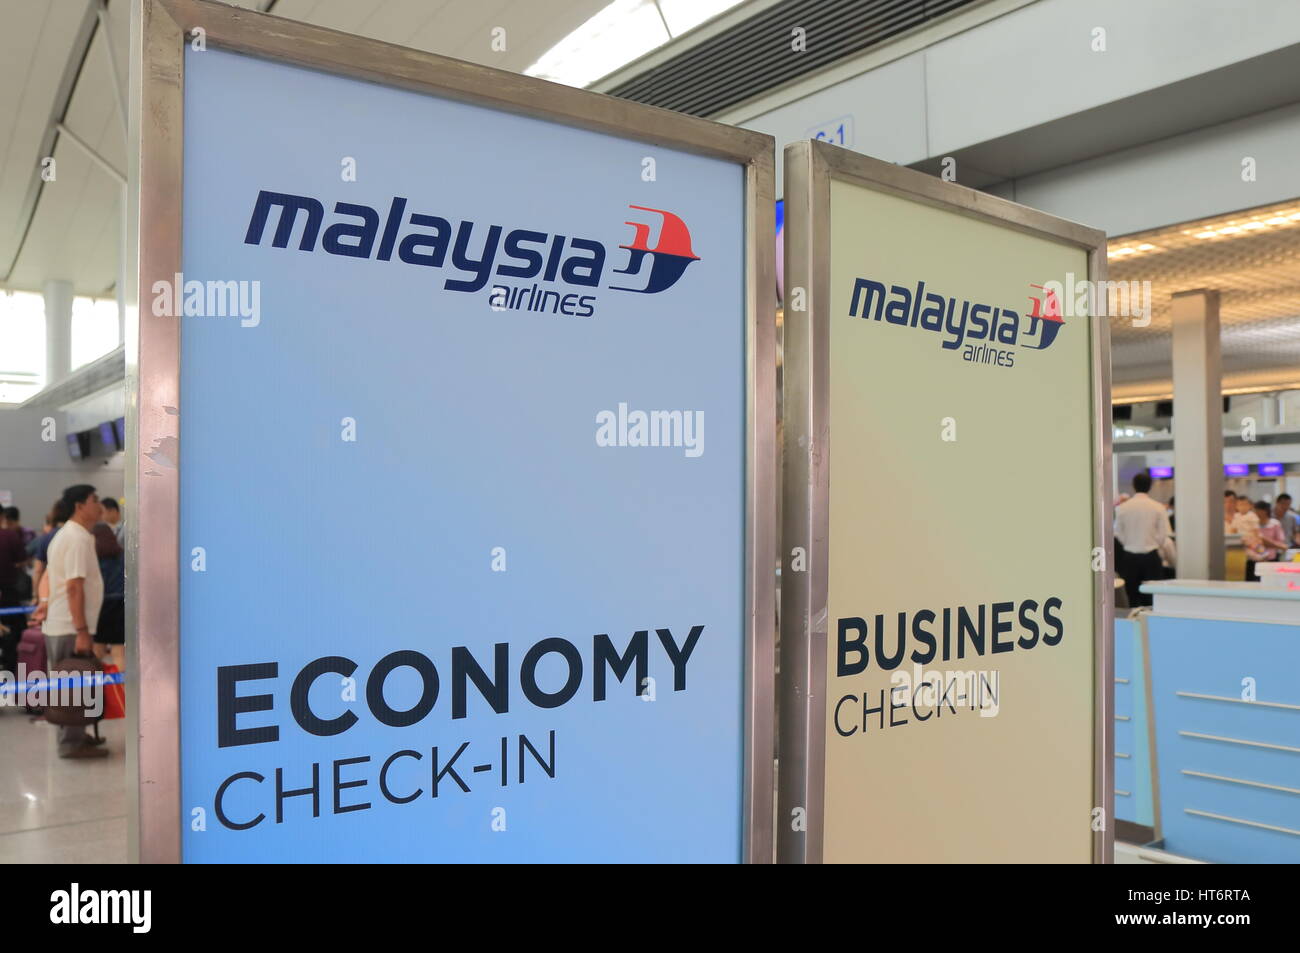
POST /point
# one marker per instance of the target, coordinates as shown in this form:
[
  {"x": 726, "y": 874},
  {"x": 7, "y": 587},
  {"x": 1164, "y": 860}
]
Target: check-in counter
[{"x": 1225, "y": 700}]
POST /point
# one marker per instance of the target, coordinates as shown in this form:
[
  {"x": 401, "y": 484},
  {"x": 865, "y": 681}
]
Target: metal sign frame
[
  {"x": 809, "y": 168},
  {"x": 160, "y": 31}
]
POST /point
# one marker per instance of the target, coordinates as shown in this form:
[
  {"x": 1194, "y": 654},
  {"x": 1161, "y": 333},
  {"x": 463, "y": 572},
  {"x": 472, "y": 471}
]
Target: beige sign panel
[{"x": 946, "y": 684}]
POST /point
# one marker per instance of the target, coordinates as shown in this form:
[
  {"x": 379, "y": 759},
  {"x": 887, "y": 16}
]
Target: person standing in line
[
  {"x": 1246, "y": 525},
  {"x": 110, "y": 636},
  {"x": 1141, "y": 528},
  {"x": 1289, "y": 520},
  {"x": 76, "y": 597},
  {"x": 1229, "y": 511},
  {"x": 15, "y": 590},
  {"x": 40, "y": 546},
  {"x": 113, "y": 517},
  {"x": 1268, "y": 544},
  {"x": 15, "y": 518}
]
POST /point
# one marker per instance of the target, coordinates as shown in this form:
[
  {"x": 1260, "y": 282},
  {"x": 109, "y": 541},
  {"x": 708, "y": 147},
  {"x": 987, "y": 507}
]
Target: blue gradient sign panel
[{"x": 462, "y": 481}]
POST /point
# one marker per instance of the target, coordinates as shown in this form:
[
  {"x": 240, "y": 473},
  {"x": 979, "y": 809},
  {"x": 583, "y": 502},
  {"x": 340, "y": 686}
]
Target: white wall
[
  {"x": 1038, "y": 63},
  {"x": 1181, "y": 178},
  {"x": 1034, "y": 65},
  {"x": 94, "y": 410},
  {"x": 36, "y": 471}
]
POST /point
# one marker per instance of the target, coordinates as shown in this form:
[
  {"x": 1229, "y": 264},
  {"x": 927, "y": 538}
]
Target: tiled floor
[{"x": 57, "y": 811}]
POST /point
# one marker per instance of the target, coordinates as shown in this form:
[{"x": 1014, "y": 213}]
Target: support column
[
  {"x": 1268, "y": 411},
  {"x": 58, "y": 331},
  {"x": 1198, "y": 434}
]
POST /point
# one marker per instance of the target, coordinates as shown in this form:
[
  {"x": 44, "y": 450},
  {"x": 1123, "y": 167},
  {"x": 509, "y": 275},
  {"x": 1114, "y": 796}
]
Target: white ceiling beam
[
  {"x": 67, "y": 85},
  {"x": 94, "y": 156},
  {"x": 119, "y": 95}
]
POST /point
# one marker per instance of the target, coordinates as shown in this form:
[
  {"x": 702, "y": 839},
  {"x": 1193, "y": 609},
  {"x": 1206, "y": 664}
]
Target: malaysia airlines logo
[
  {"x": 961, "y": 322},
  {"x": 669, "y": 258},
  {"x": 1048, "y": 310},
  {"x": 561, "y": 267}
]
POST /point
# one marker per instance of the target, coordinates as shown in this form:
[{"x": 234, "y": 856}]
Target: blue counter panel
[{"x": 1229, "y": 764}]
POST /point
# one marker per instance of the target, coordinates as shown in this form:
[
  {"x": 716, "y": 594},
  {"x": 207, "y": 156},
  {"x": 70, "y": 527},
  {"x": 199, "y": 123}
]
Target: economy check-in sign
[{"x": 464, "y": 504}]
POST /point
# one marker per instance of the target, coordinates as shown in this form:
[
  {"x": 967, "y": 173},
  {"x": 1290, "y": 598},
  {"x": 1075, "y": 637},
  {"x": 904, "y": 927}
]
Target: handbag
[
  {"x": 114, "y": 693},
  {"x": 73, "y": 711}
]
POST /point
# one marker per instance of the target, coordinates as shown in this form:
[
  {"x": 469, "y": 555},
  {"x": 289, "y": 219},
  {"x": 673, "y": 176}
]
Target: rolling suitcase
[{"x": 31, "y": 657}]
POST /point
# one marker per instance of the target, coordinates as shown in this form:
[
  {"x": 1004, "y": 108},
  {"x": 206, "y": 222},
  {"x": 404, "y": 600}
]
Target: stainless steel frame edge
[
  {"x": 805, "y": 515},
  {"x": 1103, "y": 841},
  {"x": 761, "y": 506},
  {"x": 809, "y": 168},
  {"x": 153, "y": 402},
  {"x": 160, "y": 30}
]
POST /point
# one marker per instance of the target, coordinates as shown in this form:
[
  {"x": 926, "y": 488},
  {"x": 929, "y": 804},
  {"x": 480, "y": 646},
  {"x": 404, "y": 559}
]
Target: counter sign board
[
  {"x": 457, "y": 520},
  {"x": 945, "y": 662}
]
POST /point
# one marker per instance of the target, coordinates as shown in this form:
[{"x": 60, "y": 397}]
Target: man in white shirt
[
  {"x": 76, "y": 596},
  {"x": 1141, "y": 528}
]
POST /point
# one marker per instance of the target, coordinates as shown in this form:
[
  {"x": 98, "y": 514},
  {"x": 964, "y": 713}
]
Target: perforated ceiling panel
[{"x": 1252, "y": 259}]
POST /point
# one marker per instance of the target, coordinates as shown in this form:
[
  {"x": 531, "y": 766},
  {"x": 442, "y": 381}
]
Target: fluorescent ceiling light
[
  {"x": 620, "y": 33},
  {"x": 1122, "y": 250}
]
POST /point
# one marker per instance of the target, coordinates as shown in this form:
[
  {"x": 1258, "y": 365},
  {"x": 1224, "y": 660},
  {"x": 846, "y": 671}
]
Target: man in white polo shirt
[
  {"x": 1141, "y": 528},
  {"x": 76, "y": 595}
]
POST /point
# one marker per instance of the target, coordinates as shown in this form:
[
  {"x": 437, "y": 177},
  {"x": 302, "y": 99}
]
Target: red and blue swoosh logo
[{"x": 669, "y": 257}]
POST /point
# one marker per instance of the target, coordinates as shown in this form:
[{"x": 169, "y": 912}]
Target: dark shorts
[{"x": 112, "y": 623}]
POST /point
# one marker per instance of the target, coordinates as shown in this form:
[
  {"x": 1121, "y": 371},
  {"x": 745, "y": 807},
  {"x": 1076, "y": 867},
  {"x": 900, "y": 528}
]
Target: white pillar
[
  {"x": 1268, "y": 411},
  {"x": 58, "y": 331},
  {"x": 1198, "y": 434}
]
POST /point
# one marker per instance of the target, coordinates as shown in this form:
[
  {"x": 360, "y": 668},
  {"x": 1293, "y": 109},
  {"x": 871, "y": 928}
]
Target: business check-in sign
[
  {"x": 462, "y": 482},
  {"x": 958, "y": 713}
]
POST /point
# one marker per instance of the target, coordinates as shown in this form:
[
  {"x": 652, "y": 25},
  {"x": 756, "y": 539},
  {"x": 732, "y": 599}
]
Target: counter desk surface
[{"x": 1216, "y": 599}]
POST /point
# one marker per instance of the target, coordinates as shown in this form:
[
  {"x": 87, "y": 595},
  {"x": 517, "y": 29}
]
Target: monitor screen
[
  {"x": 1236, "y": 469},
  {"x": 108, "y": 438},
  {"x": 1162, "y": 473},
  {"x": 76, "y": 446},
  {"x": 119, "y": 427},
  {"x": 1271, "y": 469}
]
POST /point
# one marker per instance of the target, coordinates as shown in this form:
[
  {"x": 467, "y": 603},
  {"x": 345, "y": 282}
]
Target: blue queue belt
[
  {"x": 62, "y": 682},
  {"x": 18, "y": 610}
]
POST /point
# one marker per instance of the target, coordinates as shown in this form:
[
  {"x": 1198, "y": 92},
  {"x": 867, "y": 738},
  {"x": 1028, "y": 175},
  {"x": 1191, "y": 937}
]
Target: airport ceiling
[
  {"x": 1252, "y": 258},
  {"x": 55, "y": 65},
  {"x": 55, "y": 68}
]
